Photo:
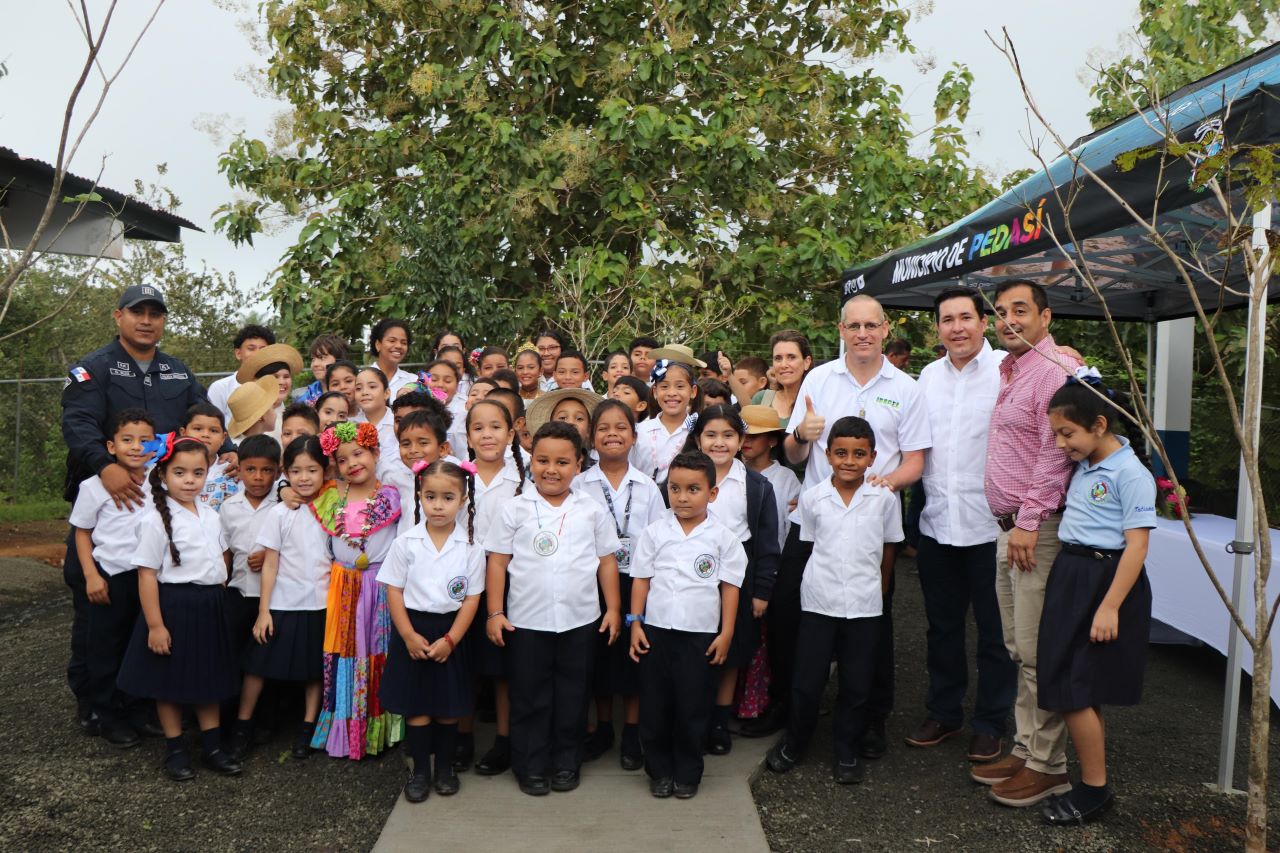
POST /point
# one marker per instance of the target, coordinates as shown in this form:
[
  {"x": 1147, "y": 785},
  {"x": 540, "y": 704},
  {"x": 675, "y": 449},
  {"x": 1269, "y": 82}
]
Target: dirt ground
[
  {"x": 39, "y": 540},
  {"x": 1159, "y": 755},
  {"x": 60, "y": 790}
]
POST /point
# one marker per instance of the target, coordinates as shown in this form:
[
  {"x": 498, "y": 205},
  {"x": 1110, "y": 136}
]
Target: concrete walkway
[{"x": 610, "y": 810}]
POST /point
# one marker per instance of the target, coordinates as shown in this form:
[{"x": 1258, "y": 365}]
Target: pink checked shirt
[{"x": 1026, "y": 472}]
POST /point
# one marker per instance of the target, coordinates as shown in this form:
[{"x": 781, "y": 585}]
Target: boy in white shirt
[
  {"x": 686, "y": 572},
  {"x": 853, "y": 526},
  {"x": 105, "y": 539}
]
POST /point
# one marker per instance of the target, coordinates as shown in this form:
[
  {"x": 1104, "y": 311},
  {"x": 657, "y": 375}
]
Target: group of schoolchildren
[{"x": 391, "y": 541}]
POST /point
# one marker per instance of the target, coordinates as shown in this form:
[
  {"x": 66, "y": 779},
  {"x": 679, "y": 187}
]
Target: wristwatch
[{"x": 632, "y": 617}]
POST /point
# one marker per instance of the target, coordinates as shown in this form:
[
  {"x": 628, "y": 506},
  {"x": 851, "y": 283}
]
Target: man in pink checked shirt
[{"x": 1026, "y": 484}]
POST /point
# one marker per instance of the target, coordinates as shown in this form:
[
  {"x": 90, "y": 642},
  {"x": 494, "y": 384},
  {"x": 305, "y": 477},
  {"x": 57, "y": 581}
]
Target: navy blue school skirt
[
  {"x": 485, "y": 659},
  {"x": 1073, "y": 672},
  {"x": 202, "y": 667},
  {"x": 293, "y": 652},
  {"x": 422, "y": 687}
]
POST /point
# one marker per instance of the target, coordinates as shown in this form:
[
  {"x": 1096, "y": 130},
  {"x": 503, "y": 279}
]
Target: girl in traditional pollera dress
[{"x": 360, "y": 516}]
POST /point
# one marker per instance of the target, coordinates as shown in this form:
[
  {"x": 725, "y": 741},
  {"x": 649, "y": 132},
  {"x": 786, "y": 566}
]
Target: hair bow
[
  {"x": 690, "y": 422},
  {"x": 469, "y": 467},
  {"x": 159, "y": 447},
  {"x": 439, "y": 394},
  {"x": 659, "y": 370},
  {"x": 475, "y": 356},
  {"x": 420, "y": 466},
  {"x": 1086, "y": 375},
  {"x": 423, "y": 379}
]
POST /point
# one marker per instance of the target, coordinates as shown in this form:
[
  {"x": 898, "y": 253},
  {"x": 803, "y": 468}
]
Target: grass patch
[{"x": 33, "y": 510}]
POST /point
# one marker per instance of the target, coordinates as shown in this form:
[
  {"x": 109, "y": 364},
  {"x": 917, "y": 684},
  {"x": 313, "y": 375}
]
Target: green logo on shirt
[{"x": 885, "y": 401}]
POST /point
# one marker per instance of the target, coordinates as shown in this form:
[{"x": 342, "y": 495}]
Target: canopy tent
[{"x": 1014, "y": 237}]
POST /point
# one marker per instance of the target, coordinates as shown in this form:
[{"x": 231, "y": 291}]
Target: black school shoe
[
  {"x": 661, "y": 788},
  {"x": 120, "y": 735},
  {"x": 446, "y": 782},
  {"x": 597, "y": 743},
  {"x": 719, "y": 741},
  {"x": 1061, "y": 810},
  {"x": 220, "y": 762},
  {"x": 418, "y": 788},
  {"x": 302, "y": 741},
  {"x": 777, "y": 759},
  {"x": 874, "y": 741},
  {"x": 86, "y": 719},
  {"x": 565, "y": 780},
  {"x": 534, "y": 786},
  {"x": 241, "y": 743},
  {"x": 497, "y": 760},
  {"x": 146, "y": 726},
  {"x": 178, "y": 766},
  {"x": 464, "y": 752},
  {"x": 772, "y": 720},
  {"x": 685, "y": 792},
  {"x": 849, "y": 774}
]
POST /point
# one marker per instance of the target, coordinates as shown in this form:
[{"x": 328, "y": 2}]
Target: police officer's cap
[{"x": 137, "y": 294}]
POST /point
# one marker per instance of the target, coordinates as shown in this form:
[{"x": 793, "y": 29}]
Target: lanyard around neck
[{"x": 613, "y": 513}]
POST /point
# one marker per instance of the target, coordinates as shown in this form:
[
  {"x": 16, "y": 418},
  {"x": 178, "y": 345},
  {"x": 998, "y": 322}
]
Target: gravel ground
[
  {"x": 60, "y": 790},
  {"x": 1159, "y": 754}
]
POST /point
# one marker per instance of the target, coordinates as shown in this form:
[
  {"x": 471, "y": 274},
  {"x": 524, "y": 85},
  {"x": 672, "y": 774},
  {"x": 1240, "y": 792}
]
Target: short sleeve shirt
[
  {"x": 302, "y": 573},
  {"x": 1105, "y": 500},
  {"x": 434, "y": 580},
  {"x": 842, "y": 577},
  {"x": 555, "y": 555},
  {"x": 655, "y": 447},
  {"x": 890, "y": 402},
  {"x": 685, "y": 572},
  {"x": 115, "y": 531},
  {"x": 200, "y": 541},
  {"x": 730, "y": 506},
  {"x": 786, "y": 488},
  {"x": 240, "y": 522},
  {"x": 634, "y": 505}
]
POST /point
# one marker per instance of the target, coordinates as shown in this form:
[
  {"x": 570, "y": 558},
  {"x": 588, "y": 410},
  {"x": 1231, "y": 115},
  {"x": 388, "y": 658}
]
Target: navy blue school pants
[
  {"x": 73, "y": 576},
  {"x": 550, "y": 683},
  {"x": 107, "y": 631},
  {"x": 953, "y": 578},
  {"x": 677, "y": 687},
  {"x": 880, "y": 701},
  {"x": 852, "y": 642},
  {"x": 784, "y": 616}
]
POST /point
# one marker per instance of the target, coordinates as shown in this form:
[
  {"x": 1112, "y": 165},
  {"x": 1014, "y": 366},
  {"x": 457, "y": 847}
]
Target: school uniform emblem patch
[
  {"x": 1099, "y": 491},
  {"x": 705, "y": 566},
  {"x": 458, "y": 588},
  {"x": 545, "y": 543}
]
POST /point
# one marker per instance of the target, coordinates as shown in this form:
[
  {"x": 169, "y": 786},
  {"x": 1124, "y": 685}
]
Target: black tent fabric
[{"x": 1013, "y": 236}]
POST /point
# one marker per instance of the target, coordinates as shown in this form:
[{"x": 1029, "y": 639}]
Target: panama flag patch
[{"x": 79, "y": 374}]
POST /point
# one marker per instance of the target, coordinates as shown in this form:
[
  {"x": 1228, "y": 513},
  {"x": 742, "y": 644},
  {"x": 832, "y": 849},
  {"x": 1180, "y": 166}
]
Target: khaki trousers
[{"x": 1041, "y": 736}]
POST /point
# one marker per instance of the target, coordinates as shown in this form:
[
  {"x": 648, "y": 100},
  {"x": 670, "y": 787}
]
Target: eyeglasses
[{"x": 858, "y": 327}]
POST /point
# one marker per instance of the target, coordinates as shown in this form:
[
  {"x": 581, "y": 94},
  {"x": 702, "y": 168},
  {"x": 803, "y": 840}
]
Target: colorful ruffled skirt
[{"x": 357, "y": 630}]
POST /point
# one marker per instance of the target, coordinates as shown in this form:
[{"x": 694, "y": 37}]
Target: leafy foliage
[{"x": 451, "y": 156}]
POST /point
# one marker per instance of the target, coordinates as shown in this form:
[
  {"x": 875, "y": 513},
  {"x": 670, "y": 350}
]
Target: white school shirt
[
  {"x": 219, "y": 393},
  {"x": 555, "y": 556},
  {"x": 786, "y": 488},
  {"x": 398, "y": 380},
  {"x": 685, "y": 571},
  {"x": 200, "y": 540},
  {"x": 457, "y": 433},
  {"x": 637, "y": 492},
  {"x": 655, "y": 447},
  {"x": 241, "y": 522},
  {"x": 115, "y": 531},
  {"x": 960, "y": 403},
  {"x": 890, "y": 402},
  {"x": 730, "y": 506},
  {"x": 842, "y": 578},
  {"x": 399, "y": 476},
  {"x": 302, "y": 570},
  {"x": 434, "y": 580}
]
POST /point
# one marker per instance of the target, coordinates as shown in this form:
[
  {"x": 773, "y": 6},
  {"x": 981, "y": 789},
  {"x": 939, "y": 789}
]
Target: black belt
[
  {"x": 1008, "y": 521},
  {"x": 1090, "y": 551}
]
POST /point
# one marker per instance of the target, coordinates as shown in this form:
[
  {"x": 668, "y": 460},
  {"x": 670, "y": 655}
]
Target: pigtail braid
[
  {"x": 417, "y": 501},
  {"x": 518, "y": 455},
  {"x": 471, "y": 508},
  {"x": 160, "y": 498}
]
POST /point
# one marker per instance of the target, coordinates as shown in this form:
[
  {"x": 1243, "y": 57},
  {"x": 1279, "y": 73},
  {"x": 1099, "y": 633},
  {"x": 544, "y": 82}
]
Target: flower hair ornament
[
  {"x": 659, "y": 370},
  {"x": 363, "y": 434},
  {"x": 469, "y": 467},
  {"x": 474, "y": 358}
]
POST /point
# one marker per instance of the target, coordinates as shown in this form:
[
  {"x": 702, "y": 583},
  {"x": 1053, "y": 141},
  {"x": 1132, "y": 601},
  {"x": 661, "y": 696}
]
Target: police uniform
[
  {"x": 841, "y": 607},
  {"x": 682, "y": 618},
  {"x": 98, "y": 386},
  {"x": 553, "y": 604},
  {"x": 1103, "y": 501}
]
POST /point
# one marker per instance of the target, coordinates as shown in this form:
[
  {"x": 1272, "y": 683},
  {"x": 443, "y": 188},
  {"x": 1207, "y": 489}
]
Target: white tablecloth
[{"x": 1184, "y": 598}]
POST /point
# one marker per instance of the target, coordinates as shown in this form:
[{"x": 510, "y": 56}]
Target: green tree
[{"x": 451, "y": 156}]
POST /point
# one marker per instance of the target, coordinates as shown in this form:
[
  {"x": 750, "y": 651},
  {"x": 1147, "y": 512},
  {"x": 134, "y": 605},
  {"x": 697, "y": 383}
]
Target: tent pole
[
  {"x": 1245, "y": 533},
  {"x": 1151, "y": 384}
]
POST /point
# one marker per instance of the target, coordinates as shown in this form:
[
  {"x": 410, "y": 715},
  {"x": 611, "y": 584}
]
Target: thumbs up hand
[{"x": 813, "y": 424}]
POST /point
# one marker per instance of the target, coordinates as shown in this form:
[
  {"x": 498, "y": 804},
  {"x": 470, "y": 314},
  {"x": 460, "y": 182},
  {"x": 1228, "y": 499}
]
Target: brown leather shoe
[
  {"x": 1029, "y": 787},
  {"x": 985, "y": 747},
  {"x": 931, "y": 733},
  {"x": 997, "y": 771}
]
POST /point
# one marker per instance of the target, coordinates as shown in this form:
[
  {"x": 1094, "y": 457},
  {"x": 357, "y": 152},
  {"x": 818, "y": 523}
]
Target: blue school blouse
[{"x": 1105, "y": 500}]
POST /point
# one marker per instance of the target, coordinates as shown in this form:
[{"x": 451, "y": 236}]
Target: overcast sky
[{"x": 190, "y": 67}]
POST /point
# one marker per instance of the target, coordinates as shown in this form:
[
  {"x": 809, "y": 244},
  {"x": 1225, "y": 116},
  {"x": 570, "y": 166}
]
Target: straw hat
[
  {"x": 677, "y": 352},
  {"x": 761, "y": 419},
  {"x": 268, "y": 355},
  {"x": 251, "y": 401},
  {"x": 539, "y": 411}
]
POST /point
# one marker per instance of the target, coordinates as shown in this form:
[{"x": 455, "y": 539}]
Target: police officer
[{"x": 129, "y": 372}]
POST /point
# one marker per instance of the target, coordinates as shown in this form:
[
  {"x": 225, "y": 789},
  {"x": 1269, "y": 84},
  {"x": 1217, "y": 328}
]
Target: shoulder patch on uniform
[{"x": 79, "y": 374}]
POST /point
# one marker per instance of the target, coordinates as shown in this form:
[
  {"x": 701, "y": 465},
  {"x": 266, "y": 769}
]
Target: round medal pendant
[
  {"x": 362, "y": 562},
  {"x": 545, "y": 543},
  {"x": 623, "y": 554}
]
